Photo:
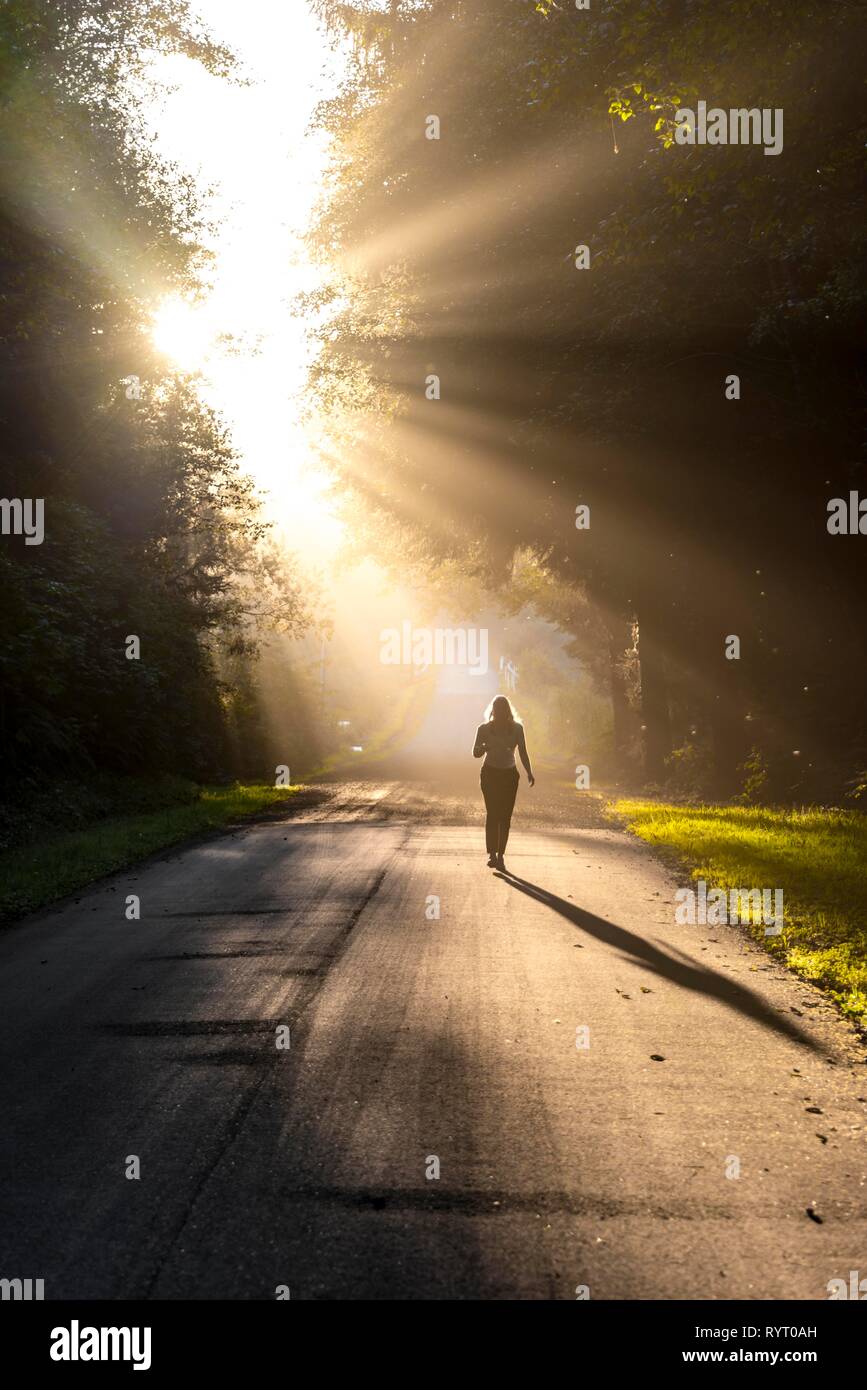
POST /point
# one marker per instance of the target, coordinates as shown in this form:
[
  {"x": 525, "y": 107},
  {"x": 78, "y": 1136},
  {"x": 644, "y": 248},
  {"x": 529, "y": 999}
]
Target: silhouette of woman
[{"x": 497, "y": 740}]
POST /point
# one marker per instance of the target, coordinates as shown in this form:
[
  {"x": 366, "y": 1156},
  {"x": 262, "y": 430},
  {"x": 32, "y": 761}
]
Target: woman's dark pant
[{"x": 499, "y": 788}]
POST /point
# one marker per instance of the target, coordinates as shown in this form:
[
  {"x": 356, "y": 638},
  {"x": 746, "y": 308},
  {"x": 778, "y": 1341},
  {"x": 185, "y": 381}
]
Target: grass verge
[
  {"x": 56, "y": 863},
  {"x": 819, "y": 859}
]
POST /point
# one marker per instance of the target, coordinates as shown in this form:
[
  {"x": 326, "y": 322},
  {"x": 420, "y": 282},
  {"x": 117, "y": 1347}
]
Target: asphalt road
[{"x": 419, "y": 1044}]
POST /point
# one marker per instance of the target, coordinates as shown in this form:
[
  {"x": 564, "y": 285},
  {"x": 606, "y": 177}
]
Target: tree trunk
[
  {"x": 624, "y": 715},
  {"x": 654, "y": 700}
]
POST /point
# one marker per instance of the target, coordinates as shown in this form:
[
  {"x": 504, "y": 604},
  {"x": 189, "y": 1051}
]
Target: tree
[
  {"x": 151, "y": 531},
  {"x": 605, "y": 386}
]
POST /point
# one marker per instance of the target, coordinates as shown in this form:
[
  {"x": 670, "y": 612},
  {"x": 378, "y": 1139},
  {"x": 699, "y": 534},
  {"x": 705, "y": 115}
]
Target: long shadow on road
[{"x": 685, "y": 973}]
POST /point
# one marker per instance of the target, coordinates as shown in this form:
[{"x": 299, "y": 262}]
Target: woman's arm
[
  {"x": 480, "y": 747},
  {"x": 525, "y": 756}
]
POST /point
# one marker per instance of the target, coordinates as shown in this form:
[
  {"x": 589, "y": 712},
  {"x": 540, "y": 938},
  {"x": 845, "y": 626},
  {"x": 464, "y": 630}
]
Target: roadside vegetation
[
  {"x": 817, "y": 856},
  {"x": 114, "y": 826}
]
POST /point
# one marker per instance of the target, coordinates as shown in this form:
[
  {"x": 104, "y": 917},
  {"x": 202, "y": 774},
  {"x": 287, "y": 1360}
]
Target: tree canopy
[
  {"x": 152, "y": 530},
  {"x": 477, "y": 147}
]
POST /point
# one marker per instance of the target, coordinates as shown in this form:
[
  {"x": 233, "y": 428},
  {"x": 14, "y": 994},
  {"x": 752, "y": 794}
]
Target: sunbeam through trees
[{"x": 433, "y": 751}]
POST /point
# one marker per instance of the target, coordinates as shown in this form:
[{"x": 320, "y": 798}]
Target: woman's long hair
[{"x": 501, "y": 711}]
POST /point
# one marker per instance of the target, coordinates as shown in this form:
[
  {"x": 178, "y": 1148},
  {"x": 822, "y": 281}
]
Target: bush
[{"x": 756, "y": 778}]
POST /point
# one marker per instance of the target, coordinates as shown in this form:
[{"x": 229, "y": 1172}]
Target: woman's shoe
[
  {"x": 492, "y": 861},
  {"x": 500, "y": 864}
]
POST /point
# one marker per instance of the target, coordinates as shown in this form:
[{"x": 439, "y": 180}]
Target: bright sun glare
[
  {"x": 244, "y": 339},
  {"x": 180, "y": 331}
]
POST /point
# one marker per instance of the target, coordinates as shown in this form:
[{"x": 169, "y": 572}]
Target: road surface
[{"x": 419, "y": 1044}]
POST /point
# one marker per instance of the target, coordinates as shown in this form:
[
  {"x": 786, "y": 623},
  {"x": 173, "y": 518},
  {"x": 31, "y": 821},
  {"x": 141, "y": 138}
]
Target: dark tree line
[
  {"x": 607, "y": 386},
  {"x": 151, "y": 528}
]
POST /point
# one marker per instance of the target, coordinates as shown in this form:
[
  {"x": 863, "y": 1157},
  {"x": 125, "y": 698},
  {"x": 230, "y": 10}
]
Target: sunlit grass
[
  {"x": 57, "y": 864},
  {"x": 819, "y": 859}
]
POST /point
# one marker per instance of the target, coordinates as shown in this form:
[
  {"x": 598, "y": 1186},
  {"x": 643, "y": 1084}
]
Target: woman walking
[{"x": 497, "y": 740}]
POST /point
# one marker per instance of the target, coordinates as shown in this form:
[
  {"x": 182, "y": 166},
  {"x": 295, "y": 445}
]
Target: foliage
[
  {"x": 151, "y": 529},
  {"x": 755, "y": 772},
  {"x": 688, "y": 769},
  {"x": 55, "y": 865},
  {"x": 606, "y": 387},
  {"x": 819, "y": 859}
]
